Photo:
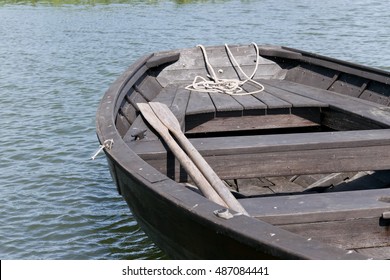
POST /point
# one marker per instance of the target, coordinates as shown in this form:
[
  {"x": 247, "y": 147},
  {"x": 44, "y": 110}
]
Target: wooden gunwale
[{"x": 327, "y": 62}]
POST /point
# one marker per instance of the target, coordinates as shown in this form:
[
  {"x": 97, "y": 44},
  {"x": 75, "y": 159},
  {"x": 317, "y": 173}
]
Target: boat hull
[
  {"x": 180, "y": 234},
  {"x": 178, "y": 219}
]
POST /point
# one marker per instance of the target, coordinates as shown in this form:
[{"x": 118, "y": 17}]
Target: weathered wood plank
[
  {"x": 265, "y": 71},
  {"x": 252, "y": 186},
  {"x": 292, "y": 98},
  {"x": 329, "y": 180},
  {"x": 356, "y": 106},
  {"x": 276, "y": 143},
  {"x": 376, "y": 92},
  {"x": 135, "y": 97},
  {"x": 340, "y": 120},
  {"x": 200, "y": 103},
  {"x": 167, "y": 95},
  {"x": 162, "y": 58},
  {"x": 251, "y": 105},
  {"x": 312, "y": 75},
  {"x": 139, "y": 127},
  {"x": 291, "y": 142},
  {"x": 349, "y": 85},
  {"x": 341, "y": 66},
  {"x": 324, "y": 207},
  {"x": 122, "y": 124},
  {"x": 348, "y": 234},
  {"x": 192, "y": 63},
  {"x": 179, "y": 105},
  {"x": 306, "y": 180},
  {"x": 218, "y": 57},
  {"x": 273, "y": 155},
  {"x": 252, "y": 122},
  {"x": 200, "y": 108},
  {"x": 375, "y": 97},
  {"x": 345, "y": 219},
  {"x": 129, "y": 112},
  {"x": 132, "y": 74},
  {"x": 301, "y": 162},
  {"x": 148, "y": 87},
  {"x": 271, "y": 101},
  {"x": 226, "y": 105},
  {"x": 282, "y": 185}
]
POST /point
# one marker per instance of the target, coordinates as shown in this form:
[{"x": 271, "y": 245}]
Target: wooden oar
[
  {"x": 203, "y": 185},
  {"x": 170, "y": 121}
]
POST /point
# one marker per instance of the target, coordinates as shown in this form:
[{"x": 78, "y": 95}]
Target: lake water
[{"x": 58, "y": 57}]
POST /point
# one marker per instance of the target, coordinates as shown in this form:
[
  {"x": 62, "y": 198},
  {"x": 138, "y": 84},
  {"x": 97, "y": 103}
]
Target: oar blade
[
  {"x": 151, "y": 117},
  {"x": 165, "y": 115}
]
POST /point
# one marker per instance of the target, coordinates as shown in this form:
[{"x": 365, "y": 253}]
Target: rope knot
[{"x": 227, "y": 86}]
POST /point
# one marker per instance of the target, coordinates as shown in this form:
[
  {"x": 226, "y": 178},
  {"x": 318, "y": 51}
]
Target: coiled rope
[{"x": 227, "y": 86}]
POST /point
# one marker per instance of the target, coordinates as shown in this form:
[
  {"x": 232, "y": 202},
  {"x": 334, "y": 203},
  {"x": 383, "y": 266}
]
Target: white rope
[
  {"x": 107, "y": 144},
  {"x": 227, "y": 86}
]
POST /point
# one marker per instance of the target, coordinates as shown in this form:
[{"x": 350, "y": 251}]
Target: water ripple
[{"x": 56, "y": 64}]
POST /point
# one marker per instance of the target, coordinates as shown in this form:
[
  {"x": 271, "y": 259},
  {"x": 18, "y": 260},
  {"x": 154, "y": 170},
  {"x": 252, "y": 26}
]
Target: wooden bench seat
[
  {"x": 351, "y": 220},
  {"x": 319, "y": 207},
  {"x": 257, "y": 123},
  {"x": 281, "y": 155}
]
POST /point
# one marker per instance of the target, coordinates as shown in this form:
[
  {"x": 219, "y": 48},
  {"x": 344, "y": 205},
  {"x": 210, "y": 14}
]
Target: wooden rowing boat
[{"x": 307, "y": 156}]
